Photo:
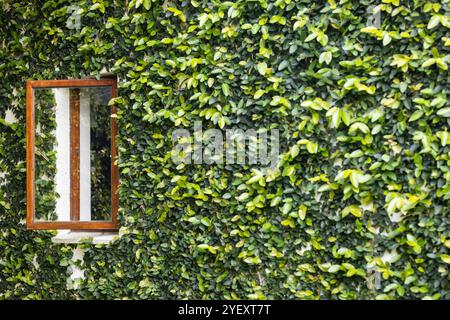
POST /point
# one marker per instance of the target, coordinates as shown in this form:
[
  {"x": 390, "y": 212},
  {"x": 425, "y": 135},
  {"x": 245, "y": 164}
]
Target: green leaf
[
  {"x": 312, "y": 147},
  {"x": 335, "y": 114},
  {"x": 416, "y": 115},
  {"x": 334, "y": 268},
  {"x": 226, "y": 89},
  {"x": 302, "y": 210},
  {"x": 445, "y": 258},
  {"x": 444, "y": 136},
  {"x": 444, "y": 112},
  {"x": 259, "y": 94},
  {"x": 352, "y": 209},
  {"x": 429, "y": 62},
  {"x": 325, "y": 57},
  {"x": 294, "y": 151},
  {"x": 359, "y": 126},
  {"x": 262, "y": 68},
  {"x": 386, "y": 39},
  {"x": 283, "y": 65},
  {"x": 434, "y": 21},
  {"x": 288, "y": 223},
  {"x": 299, "y": 24}
]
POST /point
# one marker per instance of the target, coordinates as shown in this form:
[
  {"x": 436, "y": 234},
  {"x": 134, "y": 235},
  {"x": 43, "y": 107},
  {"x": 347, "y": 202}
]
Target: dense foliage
[{"x": 359, "y": 206}]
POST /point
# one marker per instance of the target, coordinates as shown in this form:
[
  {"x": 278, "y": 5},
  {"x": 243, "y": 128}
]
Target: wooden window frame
[{"x": 74, "y": 223}]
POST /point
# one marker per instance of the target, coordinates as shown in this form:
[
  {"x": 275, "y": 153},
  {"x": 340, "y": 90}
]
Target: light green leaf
[
  {"x": 434, "y": 21},
  {"x": 444, "y": 112},
  {"x": 262, "y": 68}
]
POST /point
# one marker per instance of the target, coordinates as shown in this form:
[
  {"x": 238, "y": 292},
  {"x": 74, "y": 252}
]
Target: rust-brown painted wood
[
  {"x": 74, "y": 115},
  {"x": 30, "y": 131},
  {"x": 73, "y": 225},
  {"x": 72, "y": 83},
  {"x": 30, "y": 154}
]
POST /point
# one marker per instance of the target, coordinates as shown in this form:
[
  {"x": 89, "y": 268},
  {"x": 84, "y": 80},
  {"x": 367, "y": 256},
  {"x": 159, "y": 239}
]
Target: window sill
[{"x": 97, "y": 237}]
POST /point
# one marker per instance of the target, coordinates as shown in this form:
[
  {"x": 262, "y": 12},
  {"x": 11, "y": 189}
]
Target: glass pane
[
  {"x": 52, "y": 155},
  {"x": 60, "y": 155},
  {"x": 95, "y": 154}
]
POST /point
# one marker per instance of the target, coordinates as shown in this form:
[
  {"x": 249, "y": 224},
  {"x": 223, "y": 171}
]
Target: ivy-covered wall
[{"x": 359, "y": 206}]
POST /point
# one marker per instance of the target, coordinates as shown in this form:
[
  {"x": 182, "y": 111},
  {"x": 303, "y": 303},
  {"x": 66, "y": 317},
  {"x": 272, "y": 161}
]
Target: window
[{"x": 72, "y": 177}]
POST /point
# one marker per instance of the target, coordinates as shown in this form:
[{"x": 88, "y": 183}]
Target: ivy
[{"x": 359, "y": 205}]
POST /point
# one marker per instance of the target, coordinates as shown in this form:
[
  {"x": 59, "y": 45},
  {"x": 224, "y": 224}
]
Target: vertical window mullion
[{"x": 74, "y": 154}]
